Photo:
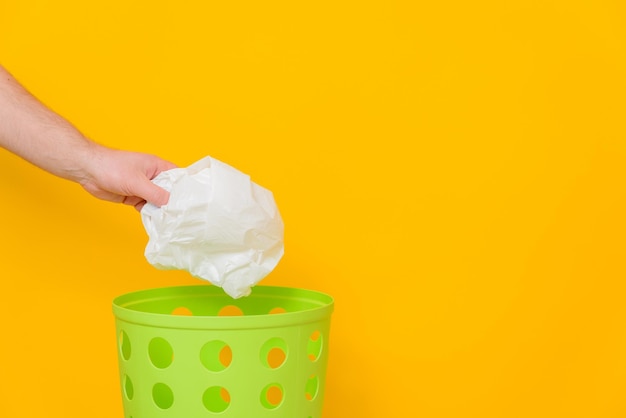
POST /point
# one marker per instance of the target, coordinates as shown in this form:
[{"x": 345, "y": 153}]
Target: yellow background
[{"x": 452, "y": 172}]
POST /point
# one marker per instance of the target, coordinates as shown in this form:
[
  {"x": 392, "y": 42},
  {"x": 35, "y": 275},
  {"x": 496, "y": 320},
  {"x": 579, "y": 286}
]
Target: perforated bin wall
[{"x": 193, "y": 351}]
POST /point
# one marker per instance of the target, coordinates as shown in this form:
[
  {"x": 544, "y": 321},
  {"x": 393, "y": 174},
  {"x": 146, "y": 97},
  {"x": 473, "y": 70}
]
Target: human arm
[{"x": 37, "y": 134}]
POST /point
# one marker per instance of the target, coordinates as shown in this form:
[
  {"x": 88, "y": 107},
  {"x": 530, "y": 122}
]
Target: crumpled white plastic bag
[{"x": 218, "y": 225}]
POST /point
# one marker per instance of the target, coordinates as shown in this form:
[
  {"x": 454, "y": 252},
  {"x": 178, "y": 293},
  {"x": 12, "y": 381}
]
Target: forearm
[
  {"x": 37, "y": 134},
  {"x": 40, "y": 136}
]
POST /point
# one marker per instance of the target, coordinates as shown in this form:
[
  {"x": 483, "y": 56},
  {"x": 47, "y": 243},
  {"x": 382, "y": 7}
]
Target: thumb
[{"x": 152, "y": 193}]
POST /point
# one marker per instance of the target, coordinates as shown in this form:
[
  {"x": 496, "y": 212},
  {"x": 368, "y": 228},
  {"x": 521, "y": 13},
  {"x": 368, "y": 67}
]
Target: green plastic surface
[{"x": 193, "y": 351}]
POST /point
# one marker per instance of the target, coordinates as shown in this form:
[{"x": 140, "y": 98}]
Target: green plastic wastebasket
[{"x": 192, "y": 351}]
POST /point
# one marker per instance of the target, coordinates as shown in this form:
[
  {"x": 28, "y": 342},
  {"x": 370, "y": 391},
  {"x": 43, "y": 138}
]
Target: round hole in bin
[
  {"x": 162, "y": 395},
  {"x": 129, "y": 391},
  {"x": 216, "y": 399},
  {"x": 182, "y": 311},
  {"x": 216, "y": 355},
  {"x": 272, "y": 396},
  {"x": 311, "y": 388},
  {"x": 277, "y": 310},
  {"x": 225, "y": 395},
  {"x": 161, "y": 353},
  {"x": 276, "y": 357},
  {"x": 274, "y": 353},
  {"x": 230, "y": 310},
  {"x": 314, "y": 346},
  {"x": 124, "y": 345}
]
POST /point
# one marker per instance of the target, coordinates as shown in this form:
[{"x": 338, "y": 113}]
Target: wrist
[{"x": 85, "y": 162}]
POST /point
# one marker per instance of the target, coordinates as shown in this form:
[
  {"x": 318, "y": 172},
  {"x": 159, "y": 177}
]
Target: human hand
[
  {"x": 50, "y": 142},
  {"x": 124, "y": 176}
]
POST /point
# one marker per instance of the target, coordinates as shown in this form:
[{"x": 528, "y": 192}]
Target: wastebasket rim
[{"x": 122, "y": 308}]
